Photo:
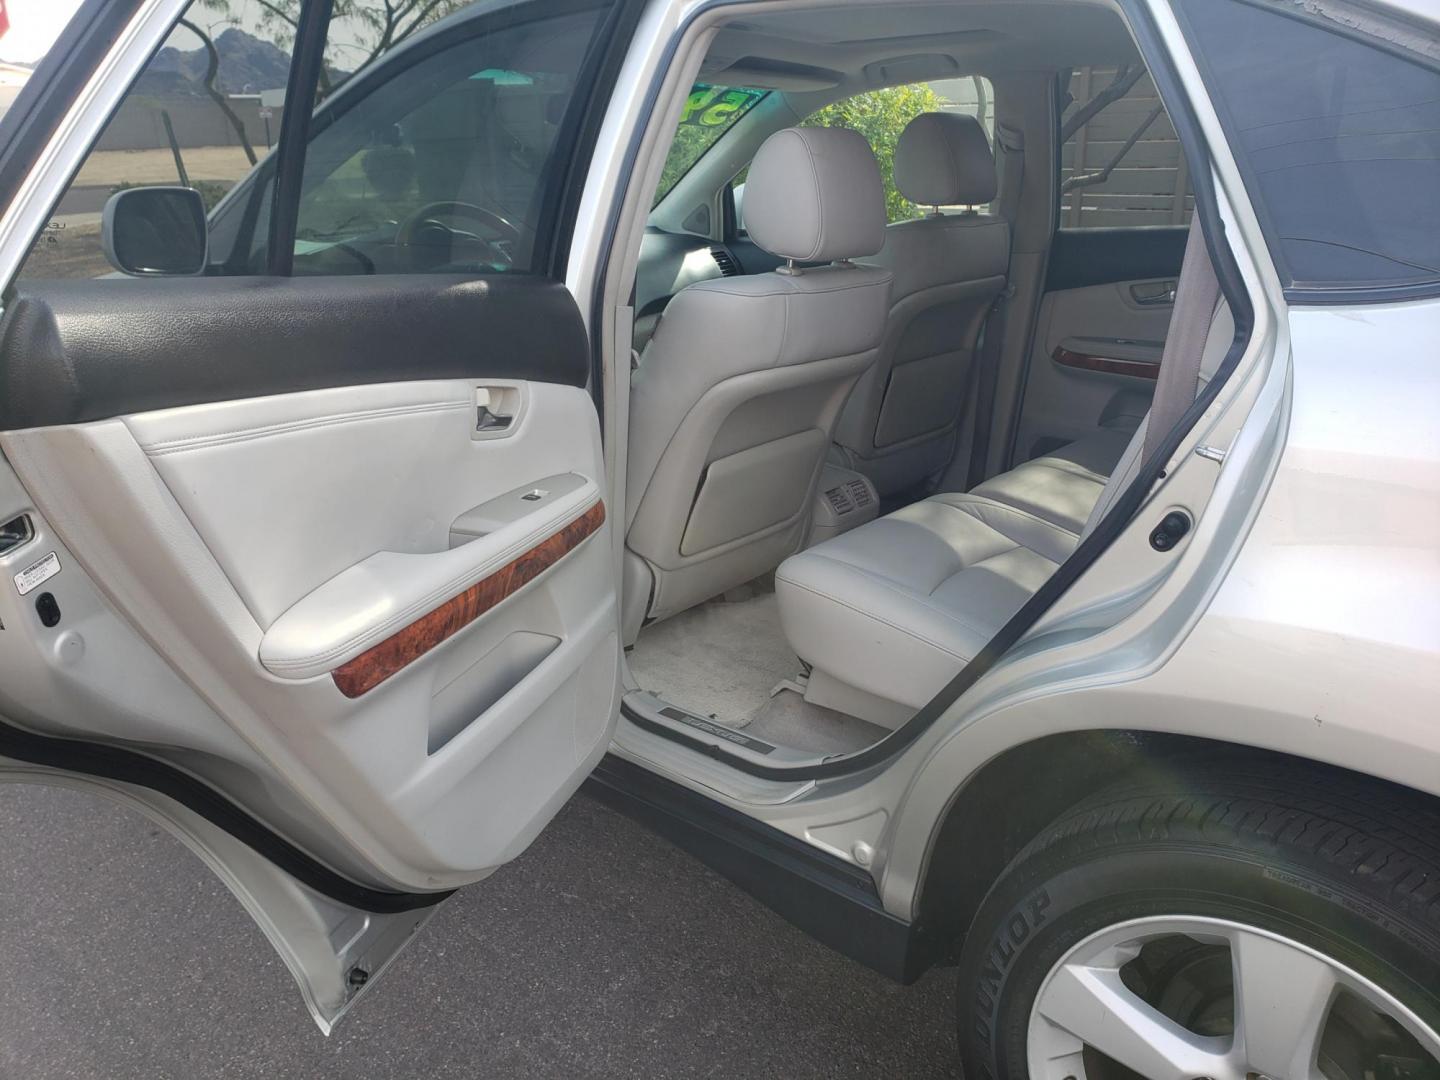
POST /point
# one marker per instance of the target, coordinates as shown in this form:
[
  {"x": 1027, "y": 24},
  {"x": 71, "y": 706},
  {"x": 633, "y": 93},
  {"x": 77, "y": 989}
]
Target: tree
[
  {"x": 880, "y": 116},
  {"x": 367, "y": 28},
  {"x": 212, "y": 91}
]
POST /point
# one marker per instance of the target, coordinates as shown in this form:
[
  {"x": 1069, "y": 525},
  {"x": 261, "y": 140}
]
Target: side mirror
[{"x": 156, "y": 231}]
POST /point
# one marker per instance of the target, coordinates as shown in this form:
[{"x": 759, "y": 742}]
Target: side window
[
  {"x": 1120, "y": 160},
  {"x": 442, "y": 155},
  {"x": 438, "y": 140},
  {"x": 881, "y": 115},
  {"x": 203, "y": 114},
  {"x": 710, "y": 111},
  {"x": 1338, "y": 138}
]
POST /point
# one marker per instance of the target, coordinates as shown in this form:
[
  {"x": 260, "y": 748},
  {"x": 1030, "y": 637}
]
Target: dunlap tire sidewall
[{"x": 1039, "y": 912}]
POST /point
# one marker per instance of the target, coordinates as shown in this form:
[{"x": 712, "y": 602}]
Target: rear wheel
[{"x": 1280, "y": 923}]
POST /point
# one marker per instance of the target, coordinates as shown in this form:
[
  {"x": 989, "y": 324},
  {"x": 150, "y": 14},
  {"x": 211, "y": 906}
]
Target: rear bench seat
[{"x": 890, "y": 612}]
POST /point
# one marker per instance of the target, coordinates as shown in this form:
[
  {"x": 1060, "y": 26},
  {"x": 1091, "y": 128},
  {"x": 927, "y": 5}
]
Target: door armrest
[{"x": 394, "y": 595}]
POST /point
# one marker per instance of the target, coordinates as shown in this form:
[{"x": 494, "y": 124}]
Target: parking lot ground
[{"x": 603, "y": 952}]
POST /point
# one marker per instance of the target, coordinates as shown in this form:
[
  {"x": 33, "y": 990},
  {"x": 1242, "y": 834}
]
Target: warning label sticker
[{"x": 37, "y": 573}]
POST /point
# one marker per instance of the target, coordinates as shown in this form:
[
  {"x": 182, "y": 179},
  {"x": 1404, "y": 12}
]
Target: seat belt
[
  {"x": 987, "y": 374},
  {"x": 1011, "y": 144},
  {"x": 1197, "y": 295}
]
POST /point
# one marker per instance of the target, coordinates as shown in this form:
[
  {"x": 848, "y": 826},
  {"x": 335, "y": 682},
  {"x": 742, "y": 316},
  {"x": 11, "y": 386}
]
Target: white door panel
[
  {"x": 323, "y": 521},
  {"x": 1062, "y": 402}
]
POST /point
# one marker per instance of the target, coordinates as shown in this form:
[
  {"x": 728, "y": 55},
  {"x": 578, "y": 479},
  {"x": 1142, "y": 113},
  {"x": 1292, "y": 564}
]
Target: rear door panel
[
  {"x": 317, "y": 569},
  {"x": 1099, "y": 334},
  {"x": 265, "y": 543}
]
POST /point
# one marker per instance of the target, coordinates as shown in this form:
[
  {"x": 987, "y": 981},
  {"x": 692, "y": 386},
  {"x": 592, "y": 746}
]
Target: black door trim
[
  {"x": 75, "y": 351},
  {"x": 830, "y": 899},
  {"x": 127, "y": 766},
  {"x": 306, "y": 61}
]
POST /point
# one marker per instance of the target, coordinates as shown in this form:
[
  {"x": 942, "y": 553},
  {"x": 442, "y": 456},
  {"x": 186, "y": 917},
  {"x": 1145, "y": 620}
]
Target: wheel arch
[{"x": 1038, "y": 780}]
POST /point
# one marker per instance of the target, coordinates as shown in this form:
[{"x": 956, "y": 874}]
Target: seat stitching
[
  {"x": 925, "y": 599},
  {"x": 995, "y": 502},
  {"x": 884, "y": 622},
  {"x": 795, "y": 290}
]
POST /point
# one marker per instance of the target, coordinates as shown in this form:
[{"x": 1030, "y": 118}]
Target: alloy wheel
[{"x": 1189, "y": 998}]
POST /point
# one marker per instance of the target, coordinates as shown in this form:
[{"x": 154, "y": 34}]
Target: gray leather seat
[
  {"x": 733, "y": 405},
  {"x": 889, "y": 613},
  {"x": 900, "y": 422}
]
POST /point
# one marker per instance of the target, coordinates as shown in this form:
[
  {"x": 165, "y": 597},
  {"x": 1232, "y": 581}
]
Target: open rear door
[{"x": 305, "y": 553}]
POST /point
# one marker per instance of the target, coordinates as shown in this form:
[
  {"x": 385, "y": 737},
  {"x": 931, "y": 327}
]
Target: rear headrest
[
  {"x": 944, "y": 159},
  {"x": 814, "y": 194}
]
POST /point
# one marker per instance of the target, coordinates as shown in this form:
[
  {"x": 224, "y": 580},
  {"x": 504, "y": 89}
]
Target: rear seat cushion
[
  {"x": 1063, "y": 486},
  {"x": 898, "y": 606}
]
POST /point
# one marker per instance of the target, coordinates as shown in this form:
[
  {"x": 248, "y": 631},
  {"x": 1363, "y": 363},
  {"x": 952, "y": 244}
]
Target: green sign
[{"x": 716, "y": 106}]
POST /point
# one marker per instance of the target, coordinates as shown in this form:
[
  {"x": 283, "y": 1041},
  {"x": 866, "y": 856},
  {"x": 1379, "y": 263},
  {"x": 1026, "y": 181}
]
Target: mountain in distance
[{"x": 248, "y": 65}]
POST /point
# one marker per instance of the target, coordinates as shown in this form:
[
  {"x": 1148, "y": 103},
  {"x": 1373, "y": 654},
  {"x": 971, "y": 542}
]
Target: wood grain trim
[
  {"x": 379, "y": 662},
  {"x": 1110, "y": 365}
]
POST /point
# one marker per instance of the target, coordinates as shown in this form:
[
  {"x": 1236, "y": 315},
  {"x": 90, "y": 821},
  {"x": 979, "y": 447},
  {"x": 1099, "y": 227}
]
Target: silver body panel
[{"x": 1302, "y": 614}]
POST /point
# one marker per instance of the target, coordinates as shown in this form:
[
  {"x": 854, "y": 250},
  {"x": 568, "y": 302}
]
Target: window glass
[
  {"x": 203, "y": 113},
  {"x": 1120, "y": 160},
  {"x": 433, "y": 141},
  {"x": 440, "y": 154},
  {"x": 710, "y": 111},
  {"x": 1339, "y": 140},
  {"x": 881, "y": 115}
]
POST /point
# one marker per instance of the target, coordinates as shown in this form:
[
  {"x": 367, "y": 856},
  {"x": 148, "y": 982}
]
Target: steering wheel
[{"x": 411, "y": 237}]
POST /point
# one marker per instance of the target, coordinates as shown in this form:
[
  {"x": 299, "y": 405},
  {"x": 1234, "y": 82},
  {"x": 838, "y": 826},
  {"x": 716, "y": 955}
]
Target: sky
[{"x": 35, "y": 24}]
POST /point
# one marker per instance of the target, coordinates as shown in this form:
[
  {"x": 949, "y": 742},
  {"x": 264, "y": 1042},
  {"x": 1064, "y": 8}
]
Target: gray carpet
[{"x": 723, "y": 657}]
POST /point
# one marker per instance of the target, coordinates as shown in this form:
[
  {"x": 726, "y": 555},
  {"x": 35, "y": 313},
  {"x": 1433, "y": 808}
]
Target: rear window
[{"x": 1338, "y": 137}]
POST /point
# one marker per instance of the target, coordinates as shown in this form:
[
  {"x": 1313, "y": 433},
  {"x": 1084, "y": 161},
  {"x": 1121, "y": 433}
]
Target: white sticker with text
[{"x": 37, "y": 573}]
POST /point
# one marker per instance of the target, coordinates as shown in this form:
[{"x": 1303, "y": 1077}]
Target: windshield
[{"x": 710, "y": 112}]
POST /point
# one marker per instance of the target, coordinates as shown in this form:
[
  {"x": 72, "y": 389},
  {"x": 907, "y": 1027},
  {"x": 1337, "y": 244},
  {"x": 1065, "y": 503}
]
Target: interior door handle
[
  {"x": 488, "y": 420},
  {"x": 497, "y": 408},
  {"x": 1153, "y": 294}
]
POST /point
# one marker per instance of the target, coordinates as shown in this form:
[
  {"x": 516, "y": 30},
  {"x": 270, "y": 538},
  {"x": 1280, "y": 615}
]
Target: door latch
[
  {"x": 15, "y": 533},
  {"x": 1173, "y": 526}
]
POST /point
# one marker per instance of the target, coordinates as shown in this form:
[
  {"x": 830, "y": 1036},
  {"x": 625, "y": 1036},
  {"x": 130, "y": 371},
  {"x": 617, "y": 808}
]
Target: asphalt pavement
[{"x": 603, "y": 952}]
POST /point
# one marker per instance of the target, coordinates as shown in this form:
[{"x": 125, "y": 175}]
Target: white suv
[{"x": 1013, "y": 543}]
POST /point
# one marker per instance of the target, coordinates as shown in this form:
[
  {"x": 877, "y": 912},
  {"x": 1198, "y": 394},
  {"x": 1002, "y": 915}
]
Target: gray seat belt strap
[
  {"x": 1011, "y": 167},
  {"x": 1197, "y": 294},
  {"x": 1010, "y": 142}
]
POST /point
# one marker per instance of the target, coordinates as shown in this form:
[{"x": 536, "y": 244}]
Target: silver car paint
[
  {"x": 1211, "y": 646},
  {"x": 1307, "y": 619}
]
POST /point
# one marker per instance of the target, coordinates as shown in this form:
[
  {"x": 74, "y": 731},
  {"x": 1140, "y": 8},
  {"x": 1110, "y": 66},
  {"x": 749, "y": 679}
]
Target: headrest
[
  {"x": 814, "y": 194},
  {"x": 944, "y": 159}
]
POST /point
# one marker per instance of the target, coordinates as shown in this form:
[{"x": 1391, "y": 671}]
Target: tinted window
[
  {"x": 440, "y": 155},
  {"x": 1120, "y": 160},
  {"x": 438, "y": 140},
  {"x": 710, "y": 112},
  {"x": 1339, "y": 140},
  {"x": 203, "y": 114}
]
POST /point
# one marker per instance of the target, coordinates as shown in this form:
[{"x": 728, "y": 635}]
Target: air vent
[
  {"x": 725, "y": 261},
  {"x": 860, "y": 492}
]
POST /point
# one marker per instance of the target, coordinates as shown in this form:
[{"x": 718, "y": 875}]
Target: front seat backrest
[
  {"x": 899, "y": 425},
  {"x": 734, "y": 403}
]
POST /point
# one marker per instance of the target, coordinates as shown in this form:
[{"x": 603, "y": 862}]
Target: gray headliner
[{"x": 856, "y": 46}]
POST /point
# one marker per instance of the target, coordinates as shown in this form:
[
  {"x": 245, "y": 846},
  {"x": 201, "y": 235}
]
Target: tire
[{"x": 1341, "y": 865}]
